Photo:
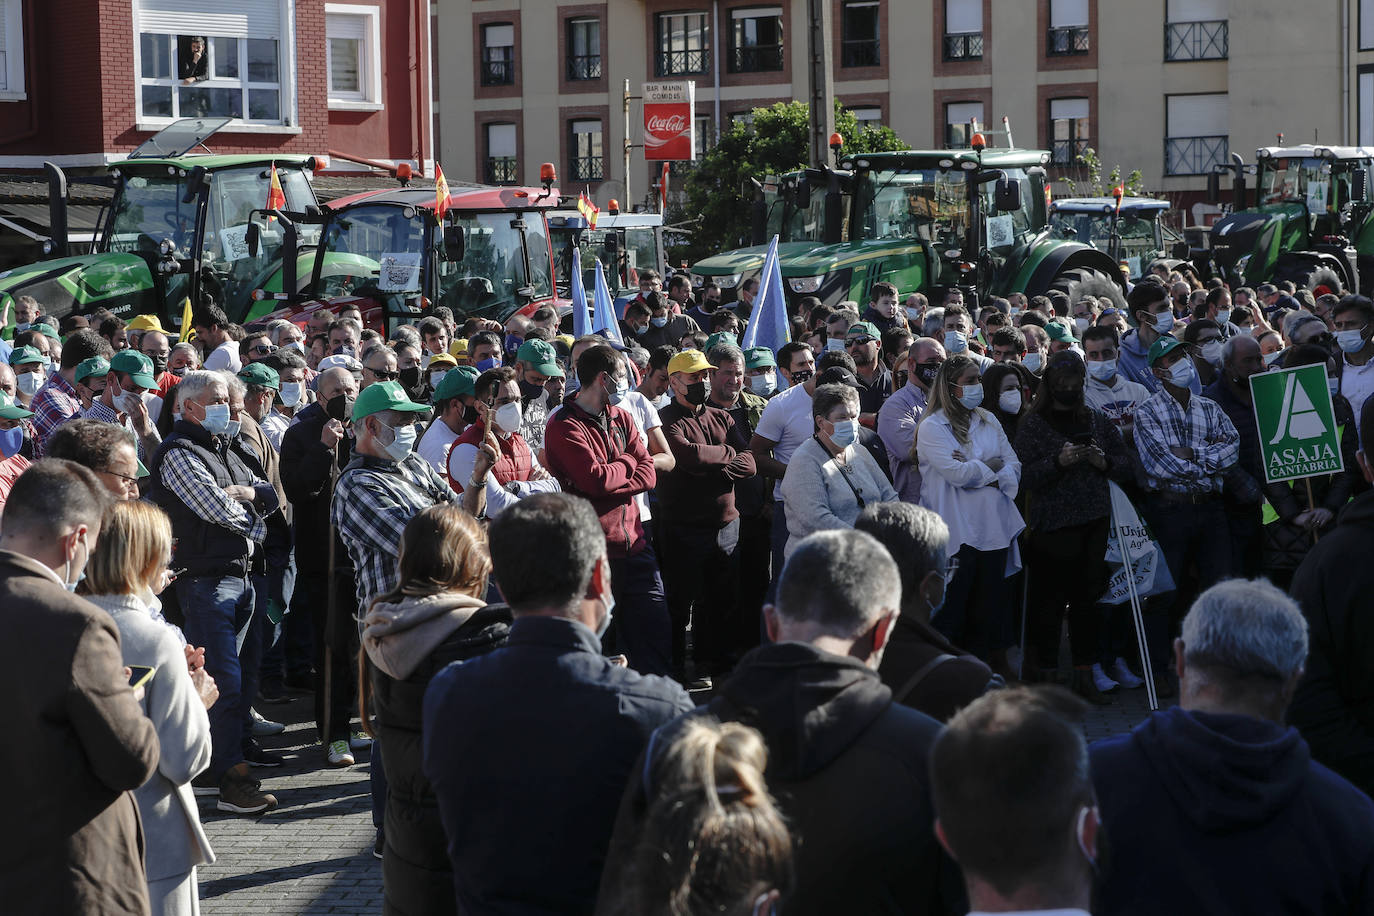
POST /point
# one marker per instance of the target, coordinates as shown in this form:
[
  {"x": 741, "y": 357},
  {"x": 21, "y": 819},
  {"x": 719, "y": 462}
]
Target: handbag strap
[
  {"x": 844, "y": 472},
  {"x": 921, "y": 674}
]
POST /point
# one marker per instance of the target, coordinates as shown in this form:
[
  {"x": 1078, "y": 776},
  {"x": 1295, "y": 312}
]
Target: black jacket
[
  {"x": 529, "y": 749},
  {"x": 848, "y": 768},
  {"x": 1334, "y": 704},
  {"x": 416, "y": 872},
  {"x": 307, "y": 477}
]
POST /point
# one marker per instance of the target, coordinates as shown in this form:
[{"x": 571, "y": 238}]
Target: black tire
[
  {"x": 1081, "y": 281},
  {"x": 1311, "y": 276}
]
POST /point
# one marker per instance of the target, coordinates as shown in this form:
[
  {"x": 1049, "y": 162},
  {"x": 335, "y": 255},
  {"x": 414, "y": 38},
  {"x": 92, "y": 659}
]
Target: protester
[
  {"x": 455, "y": 409},
  {"x": 900, "y": 414},
  {"x": 57, "y": 401},
  {"x": 79, "y": 743},
  {"x": 1253, "y": 822},
  {"x": 107, "y": 449},
  {"x": 837, "y": 741},
  {"x": 1353, "y": 320},
  {"x": 26, "y": 364},
  {"x": 212, "y": 330},
  {"x": 536, "y": 363},
  {"x": 970, "y": 476},
  {"x": 435, "y": 615},
  {"x": 527, "y": 787},
  {"x": 1243, "y": 486},
  {"x": 1008, "y": 389},
  {"x": 1106, "y": 390},
  {"x": 491, "y": 464},
  {"x": 875, "y": 381},
  {"x": 1014, "y": 803},
  {"x": 1152, "y": 319},
  {"x": 127, "y": 568}
]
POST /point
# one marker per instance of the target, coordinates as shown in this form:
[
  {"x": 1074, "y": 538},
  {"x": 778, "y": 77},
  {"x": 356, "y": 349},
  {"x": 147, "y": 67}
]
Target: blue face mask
[
  {"x": 11, "y": 440},
  {"x": 491, "y": 362},
  {"x": 659, "y": 322},
  {"x": 615, "y": 393},
  {"x": 846, "y": 432},
  {"x": 513, "y": 344},
  {"x": 216, "y": 421}
]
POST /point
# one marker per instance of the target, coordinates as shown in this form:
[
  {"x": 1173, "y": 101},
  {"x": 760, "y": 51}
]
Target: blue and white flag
[
  {"x": 582, "y": 321},
  {"x": 768, "y": 326},
  {"x": 603, "y": 309}
]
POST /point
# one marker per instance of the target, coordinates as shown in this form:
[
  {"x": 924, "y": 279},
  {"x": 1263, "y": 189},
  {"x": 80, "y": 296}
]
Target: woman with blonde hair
[
  {"x": 127, "y": 567},
  {"x": 969, "y": 477},
  {"x": 435, "y": 615}
]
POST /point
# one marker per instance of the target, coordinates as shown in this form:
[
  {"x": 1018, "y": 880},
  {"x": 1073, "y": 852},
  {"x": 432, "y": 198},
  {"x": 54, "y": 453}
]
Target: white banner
[{"x": 1149, "y": 570}]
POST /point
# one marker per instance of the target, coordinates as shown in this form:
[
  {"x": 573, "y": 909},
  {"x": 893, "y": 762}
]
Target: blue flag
[
  {"x": 768, "y": 327},
  {"x": 603, "y": 310},
  {"x": 582, "y": 321}
]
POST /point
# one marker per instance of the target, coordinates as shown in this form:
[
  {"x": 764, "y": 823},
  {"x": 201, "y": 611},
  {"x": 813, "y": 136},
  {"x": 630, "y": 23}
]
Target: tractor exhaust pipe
[{"x": 57, "y": 209}]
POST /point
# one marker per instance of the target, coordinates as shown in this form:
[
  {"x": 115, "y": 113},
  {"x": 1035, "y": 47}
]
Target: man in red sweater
[
  {"x": 593, "y": 448},
  {"x": 700, "y": 531}
]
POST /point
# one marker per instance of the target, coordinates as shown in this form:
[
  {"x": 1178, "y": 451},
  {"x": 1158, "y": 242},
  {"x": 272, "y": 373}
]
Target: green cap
[
  {"x": 142, "y": 471},
  {"x": 10, "y": 409},
  {"x": 383, "y": 396},
  {"x": 721, "y": 337},
  {"x": 540, "y": 356},
  {"x": 46, "y": 330},
  {"x": 1163, "y": 346},
  {"x": 1059, "y": 332},
  {"x": 135, "y": 365},
  {"x": 456, "y": 381},
  {"x": 759, "y": 358},
  {"x": 260, "y": 375},
  {"x": 23, "y": 355},
  {"x": 93, "y": 366},
  {"x": 864, "y": 327}
]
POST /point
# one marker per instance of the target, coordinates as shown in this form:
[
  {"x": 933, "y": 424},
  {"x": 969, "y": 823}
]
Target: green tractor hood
[
  {"x": 743, "y": 263},
  {"x": 1246, "y": 245},
  {"x": 848, "y": 270},
  {"x": 122, "y": 283}
]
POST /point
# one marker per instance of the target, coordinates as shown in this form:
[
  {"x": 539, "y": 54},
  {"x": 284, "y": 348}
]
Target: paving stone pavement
[{"x": 313, "y": 854}]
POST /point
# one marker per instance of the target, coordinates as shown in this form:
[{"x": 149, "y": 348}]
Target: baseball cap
[
  {"x": 146, "y": 323},
  {"x": 1162, "y": 347},
  {"x": 838, "y": 375},
  {"x": 540, "y": 356},
  {"x": 688, "y": 361},
  {"x": 21, "y": 355},
  {"x": 340, "y": 361},
  {"x": 864, "y": 327},
  {"x": 384, "y": 396},
  {"x": 1059, "y": 332},
  {"x": 89, "y": 367},
  {"x": 11, "y": 410},
  {"x": 721, "y": 337},
  {"x": 459, "y": 347},
  {"x": 262, "y": 376},
  {"x": 759, "y": 358},
  {"x": 134, "y": 364},
  {"x": 442, "y": 359},
  {"x": 457, "y": 381},
  {"x": 46, "y": 330}
]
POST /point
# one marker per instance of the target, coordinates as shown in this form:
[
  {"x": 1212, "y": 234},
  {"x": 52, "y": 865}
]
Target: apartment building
[{"x": 1166, "y": 86}]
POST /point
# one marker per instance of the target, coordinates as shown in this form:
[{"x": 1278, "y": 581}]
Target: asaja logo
[
  {"x": 1299, "y": 418},
  {"x": 1297, "y": 425}
]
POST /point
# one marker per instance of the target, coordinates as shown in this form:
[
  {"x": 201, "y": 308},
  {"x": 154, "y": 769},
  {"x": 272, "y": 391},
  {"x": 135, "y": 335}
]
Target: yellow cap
[
  {"x": 459, "y": 347},
  {"x": 688, "y": 361},
  {"x": 443, "y": 359},
  {"x": 146, "y": 323}
]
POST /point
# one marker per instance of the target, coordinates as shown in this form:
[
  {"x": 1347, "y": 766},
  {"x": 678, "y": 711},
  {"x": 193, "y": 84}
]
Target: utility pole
[{"x": 821, "y": 85}]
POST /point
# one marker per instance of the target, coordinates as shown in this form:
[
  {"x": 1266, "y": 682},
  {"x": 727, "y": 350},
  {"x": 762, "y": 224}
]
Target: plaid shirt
[
  {"x": 1161, "y": 423},
  {"x": 189, "y": 480},
  {"x": 54, "y": 404},
  {"x": 373, "y": 501}
]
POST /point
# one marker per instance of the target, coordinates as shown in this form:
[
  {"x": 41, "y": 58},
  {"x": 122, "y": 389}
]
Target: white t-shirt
[
  {"x": 787, "y": 421},
  {"x": 434, "y": 445},
  {"x": 225, "y": 357},
  {"x": 1357, "y": 384}
]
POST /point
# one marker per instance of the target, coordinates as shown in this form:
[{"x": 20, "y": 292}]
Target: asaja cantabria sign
[{"x": 1297, "y": 427}]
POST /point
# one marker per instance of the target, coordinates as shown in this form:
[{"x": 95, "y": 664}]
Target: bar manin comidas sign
[{"x": 669, "y": 124}]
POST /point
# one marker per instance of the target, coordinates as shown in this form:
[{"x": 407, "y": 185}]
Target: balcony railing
[
  {"x": 1197, "y": 40},
  {"x": 676, "y": 63},
  {"x": 586, "y": 168},
  {"x": 584, "y": 67},
  {"x": 756, "y": 59},
  {"x": 498, "y": 72},
  {"x": 860, "y": 53},
  {"x": 964, "y": 46},
  {"x": 1065, "y": 41},
  {"x": 501, "y": 170},
  {"x": 1193, "y": 155},
  {"x": 1066, "y": 152}
]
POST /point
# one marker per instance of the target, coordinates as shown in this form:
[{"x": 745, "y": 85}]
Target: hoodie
[
  {"x": 1214, "y": 813},
  {"x": 848, "y": 768},
  {"x": 399, "y": 636},
  {"x": 1134, "y": 363}
]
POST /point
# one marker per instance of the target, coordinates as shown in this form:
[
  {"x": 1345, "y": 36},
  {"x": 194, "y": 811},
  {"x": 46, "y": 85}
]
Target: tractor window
[
  {"x": 1004, "y": 230},
  {"x": 148, "y": 210},
  {"x": 642, "y": 251},
  {"x": 537, "y": 243},
  {"x": 371, "y": 251},
  {"x": 482, "y": 279},
  {"x": 1296, "y": 180},
  {"x": 806, "y": 225},
  {"x": 920, "y": 203}
]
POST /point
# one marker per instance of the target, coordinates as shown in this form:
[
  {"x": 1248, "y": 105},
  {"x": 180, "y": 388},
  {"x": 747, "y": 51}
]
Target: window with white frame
[
  {"x": 1068, "y": 130},
  {"x": 959, "y": 118},
  {"x": 1197, "y": 133},
  {"x": 353, "y": 53},
  {"x": 196, "y": 59},
  {"x": 498, "y": 54},
  {"x": 11, "y": 49},
  {"x": 868, "y": 117}
]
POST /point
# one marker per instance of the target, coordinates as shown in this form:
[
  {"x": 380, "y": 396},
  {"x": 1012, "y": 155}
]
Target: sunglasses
[
  {"x": 383, "y": 376},
  {"x": 858, "y": 341},
  {"x": 263, "y": 349}
]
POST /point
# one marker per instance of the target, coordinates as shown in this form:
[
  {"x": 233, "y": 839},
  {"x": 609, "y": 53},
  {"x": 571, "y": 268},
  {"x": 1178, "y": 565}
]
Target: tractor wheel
[
  {"x": 1081, "y": 281},
  {"x": 1319, "y": 278}
]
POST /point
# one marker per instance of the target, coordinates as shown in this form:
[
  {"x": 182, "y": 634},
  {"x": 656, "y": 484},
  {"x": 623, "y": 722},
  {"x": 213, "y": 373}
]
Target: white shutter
[
  {"x": 1197, "y": 10},
  {"x": 867, "y": 115},
  {"x": 756, "y": 12},
  {"x": 1198, "y": 116},
  {"x": 1068, "y": 13},
  {"x": 246, "y": 18},
  {"x": 498, "y": 36},
  {"x": 501, "y": 141},
  {"x": 1068, "y": 109},
  {"x": 961, "y": 112},
  {"x": 963, "y": 16},
  {"x": 338, "y": 25},
  {"x": 1366, "y": 95},
  {"x": 1366, "y": 24}
]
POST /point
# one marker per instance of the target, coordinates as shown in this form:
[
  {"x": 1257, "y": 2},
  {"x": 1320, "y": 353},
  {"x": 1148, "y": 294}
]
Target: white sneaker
[
  {"x": 265, "y": 727},
  {"x": 1122, "y": 672},
  {"x": 1103, "y": 683},
  {"x": 340, "y": 755},
  {"x": 359, "y": 741}
]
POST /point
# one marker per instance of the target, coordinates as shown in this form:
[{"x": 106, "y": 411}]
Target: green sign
[{"x": 1297, "y": 427}]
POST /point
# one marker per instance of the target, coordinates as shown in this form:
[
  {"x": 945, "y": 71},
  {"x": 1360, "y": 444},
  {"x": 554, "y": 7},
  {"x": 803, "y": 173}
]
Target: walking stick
[
  {"x": 326, "y": 725},
  {"x": 1311, "y": 504},
  {"x": 1025, "y": 601},
  {"x": 1139, "y": 619}
]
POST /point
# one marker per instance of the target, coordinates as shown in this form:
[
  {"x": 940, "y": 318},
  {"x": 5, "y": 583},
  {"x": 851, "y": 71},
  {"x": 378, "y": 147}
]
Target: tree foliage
[
  {"x": 718, "y": 190},
  {"x": 1093, "y": 184}
]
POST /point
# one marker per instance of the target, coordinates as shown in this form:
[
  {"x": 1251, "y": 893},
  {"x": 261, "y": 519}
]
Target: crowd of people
[{"x": 651, "y": 622}]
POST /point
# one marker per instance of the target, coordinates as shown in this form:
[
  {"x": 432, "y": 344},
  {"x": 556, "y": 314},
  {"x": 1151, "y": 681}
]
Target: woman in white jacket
[
  {"x": 969, "y": 476},
  {"x": 128, "y": 563}
]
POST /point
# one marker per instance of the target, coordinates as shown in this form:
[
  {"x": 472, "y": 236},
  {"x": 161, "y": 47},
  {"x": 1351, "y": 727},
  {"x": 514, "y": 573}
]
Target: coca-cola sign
[{"x": 669, "y": 128}]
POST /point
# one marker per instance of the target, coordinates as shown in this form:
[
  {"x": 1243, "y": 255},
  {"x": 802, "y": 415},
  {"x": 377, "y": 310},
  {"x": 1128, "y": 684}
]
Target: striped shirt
[
  {"x": 1162, "y": 424},
  {"x": 54, "y": 404}
]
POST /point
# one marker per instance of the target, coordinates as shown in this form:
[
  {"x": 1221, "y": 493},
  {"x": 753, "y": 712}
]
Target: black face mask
[
  {"x": 802, "y": 376},
  {"x": 410, "y": 379},
  {"x": 529, "y": 390},
  {"x": 159, "y": 364},
  {"x": 926, "y": 372},
  {"x": 340, "y": 408},
  {"x": 470, "y": 415},
  {"x": 697, "y": 393},
  {"x": 1067, "y": 397}
]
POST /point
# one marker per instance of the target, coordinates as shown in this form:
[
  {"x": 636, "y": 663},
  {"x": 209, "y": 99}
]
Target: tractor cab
[
  {"x": 624, "y": 243},
  {"x": 1132, "y": 233}
]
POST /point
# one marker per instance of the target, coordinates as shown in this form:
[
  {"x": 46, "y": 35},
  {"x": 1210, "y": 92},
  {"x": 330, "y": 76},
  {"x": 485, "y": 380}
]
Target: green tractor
[
  {"x": 1308, "y": 221},
  {"x": 933, "y": 220},
  {"x": 803, "y": 209},
  {"x": 176, "y": 228}
]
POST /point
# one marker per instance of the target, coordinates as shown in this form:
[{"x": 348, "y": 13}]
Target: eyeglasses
[
  {"x": 951, "y": 567},
  {"x": 382, "y": 375}
]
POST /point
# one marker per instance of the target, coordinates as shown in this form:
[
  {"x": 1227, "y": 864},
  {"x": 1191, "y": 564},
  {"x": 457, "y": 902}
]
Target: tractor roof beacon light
[
  {"x": 404, "y": 173},
  {"x": 978, "y": 142},
  {"x": 547, "y": 175},
  {"x": 613, "y": 206},
  {"x": 836, "y": 144}
]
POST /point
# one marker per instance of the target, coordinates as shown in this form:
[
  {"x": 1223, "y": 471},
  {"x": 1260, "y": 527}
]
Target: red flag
[
  {"x": 663, "y": 190},
  {"x": 276, "y": 197},
  {"x": 442, "y": 199}
]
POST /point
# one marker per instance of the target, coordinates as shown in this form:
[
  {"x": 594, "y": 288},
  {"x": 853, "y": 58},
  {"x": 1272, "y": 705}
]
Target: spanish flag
[
  {"x": 589, "y": 210},
  {"x": 276, "y": 197},
  {"x": 442, "y": 199}
]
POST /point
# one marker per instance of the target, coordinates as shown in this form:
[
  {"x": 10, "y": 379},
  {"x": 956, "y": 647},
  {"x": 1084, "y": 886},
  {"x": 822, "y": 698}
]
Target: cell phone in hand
[
  {"x": 140, "y": 675},
  {"x": 1084, "y": 438}
]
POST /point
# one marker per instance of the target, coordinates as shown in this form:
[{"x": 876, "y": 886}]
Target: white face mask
[
  {"x": 1081, "y": 324},
  {"x": 28, "y": 383},
  {"x": 1211, "y": 352},
  {"x": 763, "y": 385},
  {"x": 292, "y": 393},
  {"x": 913, "y": 314},
  {"x": 955, "y": 342},
  {"x": 1032, "y": 361},
  {"x": 235, "y": 427},
  {"x": 1181, "y": 374},
  {"x": 402, "y": 442},
  {"x": 1351, "y": 341},
  {"x": 216, "y": 421},
  {"x": 971, "y": 395},
  {"x": 1223, "y": 316},
  {"x": 1102, "y": 371},
  {"x": 508, "y": 417},
  {"x": 1164, "y": 323},
  {"x": 834, "y": 344},
  {"x": 436, "y": 377},
  {"x": 1010, "y": 401}
]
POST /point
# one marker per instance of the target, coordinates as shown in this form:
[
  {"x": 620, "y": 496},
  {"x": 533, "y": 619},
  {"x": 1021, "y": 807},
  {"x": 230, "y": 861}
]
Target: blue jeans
[
  {"x": 644, "y": 631},
  {"x": 218, "y": 612}
]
